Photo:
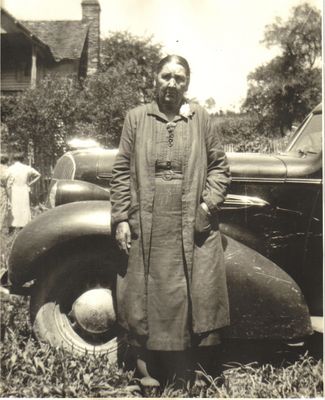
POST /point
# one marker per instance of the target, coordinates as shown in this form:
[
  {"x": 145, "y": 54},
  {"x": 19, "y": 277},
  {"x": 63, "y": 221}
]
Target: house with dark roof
[{"x": 30, "y": 50}]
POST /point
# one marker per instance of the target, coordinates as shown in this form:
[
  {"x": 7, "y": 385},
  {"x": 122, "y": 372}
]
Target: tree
[
  {"x": 136, "y": 56},
  {"x": 125, "y": 80},
  {"x": 300, "y": 37},
  {"x": 42, "y": 117},
  {"x": 210, "y": 104},
  {"x": 59, "y": 108},
  {"x": 285, "y": 89}
]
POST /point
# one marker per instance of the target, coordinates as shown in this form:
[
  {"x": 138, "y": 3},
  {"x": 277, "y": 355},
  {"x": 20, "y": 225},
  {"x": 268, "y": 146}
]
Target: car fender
[
  {"x": 230, "y": 225},
  {"x": 243, "y": 235},
  {"x": 68, "y": 191},
  {"x": 265, "y": 302},
  {"x": 53, "y": 230}
]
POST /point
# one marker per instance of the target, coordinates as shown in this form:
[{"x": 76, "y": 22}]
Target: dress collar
[{"x": 185, "y": 112}]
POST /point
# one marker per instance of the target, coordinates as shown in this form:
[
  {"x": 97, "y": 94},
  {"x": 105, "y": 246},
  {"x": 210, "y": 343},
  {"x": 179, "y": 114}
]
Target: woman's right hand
[{"x": 123, "y": 236}]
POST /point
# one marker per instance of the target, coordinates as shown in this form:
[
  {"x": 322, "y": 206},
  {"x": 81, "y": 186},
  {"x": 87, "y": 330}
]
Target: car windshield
[{"x": 309, "y": 137}]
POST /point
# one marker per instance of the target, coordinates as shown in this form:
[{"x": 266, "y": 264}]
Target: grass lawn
[{"x": 31, "y": 369}]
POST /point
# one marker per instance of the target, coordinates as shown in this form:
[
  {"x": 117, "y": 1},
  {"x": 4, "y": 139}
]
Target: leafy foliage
[
  {"x": 43, "y": 116},
  {"x": 284, "y": 90},
  {"x": 59, "y": 108},
  {"x": 125, "y": 80},
  {"x": 135, "y": 57},
  {"x": 241, "y": 133},
  {"x": 300, "y": 36}
]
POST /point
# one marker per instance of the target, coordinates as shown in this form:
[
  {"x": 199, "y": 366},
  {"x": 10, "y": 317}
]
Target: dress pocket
[
  {"x": 202, "y": 221},
  {"x": 133, "y": 216}
]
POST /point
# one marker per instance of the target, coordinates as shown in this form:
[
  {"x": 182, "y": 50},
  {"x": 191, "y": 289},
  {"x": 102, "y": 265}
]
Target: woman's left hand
[{"x": 202, "y": 220}]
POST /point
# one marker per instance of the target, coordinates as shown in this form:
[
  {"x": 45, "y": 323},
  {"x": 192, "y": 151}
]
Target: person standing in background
[
  {"x": 20, "y": 178},
  {"x": 3, "y": 191}
]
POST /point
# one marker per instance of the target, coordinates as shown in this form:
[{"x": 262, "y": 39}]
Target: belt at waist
[
  {"x": 168, "y": 174},
  {"x": 168, "y": 165}
]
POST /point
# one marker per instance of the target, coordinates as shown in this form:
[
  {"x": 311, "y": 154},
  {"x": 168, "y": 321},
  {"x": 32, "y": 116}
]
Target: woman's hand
[
  {"x": 123, "y": 236},
  {"x": 205, "y": 207},
  {"x": 203, "y": 219}
]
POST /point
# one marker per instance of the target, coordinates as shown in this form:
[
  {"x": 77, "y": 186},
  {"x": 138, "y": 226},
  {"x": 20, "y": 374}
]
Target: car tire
[{"x": 65, "y": 279}]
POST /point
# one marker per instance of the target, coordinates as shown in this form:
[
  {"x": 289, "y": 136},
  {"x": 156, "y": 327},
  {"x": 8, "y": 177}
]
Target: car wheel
[{"x": 73, "y": 304}]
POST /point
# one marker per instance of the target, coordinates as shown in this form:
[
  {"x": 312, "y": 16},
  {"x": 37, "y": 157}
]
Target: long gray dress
[
  {"x": 172, "y": 294},
  {"x": 168, "y": 298}
]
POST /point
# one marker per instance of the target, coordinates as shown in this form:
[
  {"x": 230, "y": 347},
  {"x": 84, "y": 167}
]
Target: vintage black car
[{"x": 271, "y": 223}]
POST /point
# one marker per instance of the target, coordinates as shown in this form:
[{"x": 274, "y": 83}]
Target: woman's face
[{"x": 171, "y": 84}]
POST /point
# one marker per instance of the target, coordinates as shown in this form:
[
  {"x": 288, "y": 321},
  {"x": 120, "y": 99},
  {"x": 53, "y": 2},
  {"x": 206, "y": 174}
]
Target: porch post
[{"x": 33, "y": 68}]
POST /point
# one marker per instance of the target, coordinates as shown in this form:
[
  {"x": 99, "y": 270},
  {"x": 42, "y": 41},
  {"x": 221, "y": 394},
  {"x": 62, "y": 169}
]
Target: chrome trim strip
[
  {"x": 277, "y": 180},
  {"x": 305, "y": 180},
  {"x": 242, "y": 201},
  {"x": 69, "y": 155}
]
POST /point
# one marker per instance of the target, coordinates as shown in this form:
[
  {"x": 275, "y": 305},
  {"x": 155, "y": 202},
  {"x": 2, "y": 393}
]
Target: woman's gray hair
[{"x": 178, "y": 59}]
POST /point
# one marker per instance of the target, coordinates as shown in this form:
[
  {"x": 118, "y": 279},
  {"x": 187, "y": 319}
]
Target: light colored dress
[
  {"x": 3, "y": 195},
  {"x": 19, "y": 175}
]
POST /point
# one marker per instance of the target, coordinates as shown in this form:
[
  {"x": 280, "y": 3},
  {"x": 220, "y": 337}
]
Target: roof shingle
[{"x": 66, "y": 39}]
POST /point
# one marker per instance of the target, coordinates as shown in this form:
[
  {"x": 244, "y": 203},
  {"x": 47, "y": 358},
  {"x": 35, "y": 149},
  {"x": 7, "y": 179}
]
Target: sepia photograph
[{"x": 161, "y": 199}]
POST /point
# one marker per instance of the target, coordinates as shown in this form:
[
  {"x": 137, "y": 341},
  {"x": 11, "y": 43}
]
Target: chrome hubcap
[{"x": 94, "y": 311}]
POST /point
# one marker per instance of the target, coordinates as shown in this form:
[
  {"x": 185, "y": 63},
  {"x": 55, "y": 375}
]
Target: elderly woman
[{"x": 169, "y": 179}]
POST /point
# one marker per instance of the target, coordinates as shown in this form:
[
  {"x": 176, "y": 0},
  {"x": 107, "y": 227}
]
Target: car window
[{"x": 309, "y": 139}]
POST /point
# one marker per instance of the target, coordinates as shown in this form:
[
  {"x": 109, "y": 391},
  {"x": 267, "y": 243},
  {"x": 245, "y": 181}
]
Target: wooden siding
[
  {"x": 15, "y": 62},
  {"x": 11, "y": 80}
]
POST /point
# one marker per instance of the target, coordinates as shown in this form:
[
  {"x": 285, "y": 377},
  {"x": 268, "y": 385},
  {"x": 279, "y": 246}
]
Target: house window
[{"x": 22, "y": 71}]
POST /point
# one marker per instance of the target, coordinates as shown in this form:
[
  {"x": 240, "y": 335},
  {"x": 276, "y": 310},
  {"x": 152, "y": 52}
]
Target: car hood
[
  {"x": 256, "y": 165},
  {"x": 242, "y": 165}
]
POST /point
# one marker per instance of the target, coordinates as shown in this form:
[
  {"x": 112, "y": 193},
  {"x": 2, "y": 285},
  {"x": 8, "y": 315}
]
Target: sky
[{"x": 221, "y": 39}]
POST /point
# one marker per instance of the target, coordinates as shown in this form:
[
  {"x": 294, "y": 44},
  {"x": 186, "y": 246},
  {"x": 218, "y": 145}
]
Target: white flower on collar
[{"x": 185, "y": 110}]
